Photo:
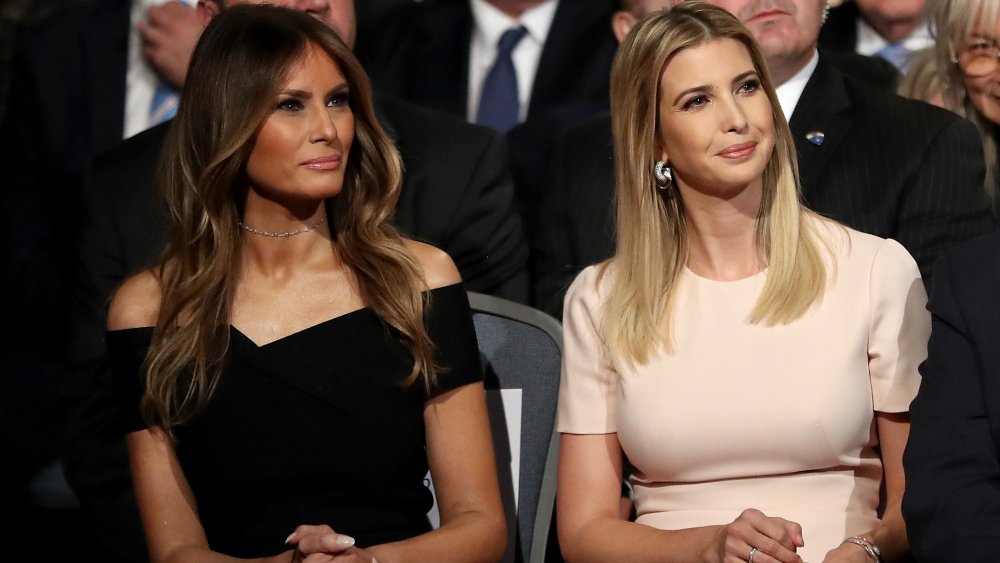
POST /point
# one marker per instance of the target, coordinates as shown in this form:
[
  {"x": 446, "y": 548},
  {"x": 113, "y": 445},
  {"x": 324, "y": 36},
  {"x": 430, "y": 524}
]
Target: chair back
[{"x": 521, "y": 351}]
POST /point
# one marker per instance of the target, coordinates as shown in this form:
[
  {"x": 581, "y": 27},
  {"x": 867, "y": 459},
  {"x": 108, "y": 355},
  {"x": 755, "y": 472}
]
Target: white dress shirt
[
  {"x": 870, "y": 42},
  {"x": 490, "y": 24},
  {"x": 790, "y": 92}
]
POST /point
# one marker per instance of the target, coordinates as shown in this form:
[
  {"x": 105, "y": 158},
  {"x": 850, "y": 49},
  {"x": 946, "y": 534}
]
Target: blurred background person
[
  {"x": 527, "y": 68},
  {"x": 724, "y": 349},
  {"x": 286, "y": 292},
  {"x": 889, "y": 29},
  {"x": 868, "y": 158},
  {"x": 962, "y": 72}
]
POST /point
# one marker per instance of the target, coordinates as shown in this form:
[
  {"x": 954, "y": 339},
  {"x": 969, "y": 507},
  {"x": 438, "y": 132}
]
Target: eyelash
[
  {"x": 340, "y": 99},
  {"x": 291, "y": 104},
  {"x": 983, "y": 44},
  {"x": 748, "y": 87},
  {"x": 695, "y": 102}
]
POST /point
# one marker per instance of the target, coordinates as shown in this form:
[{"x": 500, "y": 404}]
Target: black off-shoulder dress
[{"x": 314, "y": 428}]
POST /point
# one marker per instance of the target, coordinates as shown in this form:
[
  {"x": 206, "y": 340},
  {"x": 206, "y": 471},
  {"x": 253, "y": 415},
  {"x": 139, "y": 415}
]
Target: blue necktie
[
  {"x": 498, "y": 104},
  {"x": 896, "y": 54},
  {"x": 164, "y": 104}
]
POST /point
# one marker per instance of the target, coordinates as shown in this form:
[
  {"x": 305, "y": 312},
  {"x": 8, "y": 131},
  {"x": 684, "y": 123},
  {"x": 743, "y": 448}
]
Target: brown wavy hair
[
  {"x": 652, "y": 229},
  {"x": 236, "y": 73}
]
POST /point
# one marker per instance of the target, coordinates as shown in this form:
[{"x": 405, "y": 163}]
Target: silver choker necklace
[{"x": 286, "y": 234}]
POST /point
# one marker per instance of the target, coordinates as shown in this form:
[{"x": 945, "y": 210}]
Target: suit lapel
[{"x": 824, "y": 108}]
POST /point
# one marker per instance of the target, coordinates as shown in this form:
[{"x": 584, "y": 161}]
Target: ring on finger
[{"x": 753, "y": 551}]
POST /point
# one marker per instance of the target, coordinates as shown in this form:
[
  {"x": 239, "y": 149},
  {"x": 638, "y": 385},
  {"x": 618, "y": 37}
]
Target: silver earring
[
  {"x": 664, "y": 175},
  {"x": 826, "y": 14}
]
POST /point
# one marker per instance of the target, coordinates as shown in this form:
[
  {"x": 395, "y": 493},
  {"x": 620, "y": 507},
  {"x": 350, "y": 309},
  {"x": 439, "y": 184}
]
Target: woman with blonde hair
[
  {"x": 753, "y": 361},
  {"x": 965, "y": 64},
  {"x": 292, "y": 366}
]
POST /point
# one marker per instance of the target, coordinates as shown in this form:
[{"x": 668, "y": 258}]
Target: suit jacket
[
  {"x": 456, "y": 194},
  {"x": 421, "y": 55},
  {"x": 952, "y": 458},
  {"x": 889, "y": 166}
]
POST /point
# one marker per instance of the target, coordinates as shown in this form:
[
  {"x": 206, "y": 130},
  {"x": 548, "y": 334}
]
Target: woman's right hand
[{"x": 775, "y": 539}]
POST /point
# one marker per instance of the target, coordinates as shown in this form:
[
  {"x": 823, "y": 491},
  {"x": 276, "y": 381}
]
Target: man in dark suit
[
  {"x": 456, "y": 194},
  {"x": 879, "y": 163},
  {"x": 952, "y": 458},
  {"x": 422, "y": 54}
]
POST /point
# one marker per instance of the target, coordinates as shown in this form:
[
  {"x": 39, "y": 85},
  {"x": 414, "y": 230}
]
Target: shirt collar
[
  {"x": 491, "y": 22},
  {"x": 791, "y": 90},
  {"x": 870, "y": 42}
]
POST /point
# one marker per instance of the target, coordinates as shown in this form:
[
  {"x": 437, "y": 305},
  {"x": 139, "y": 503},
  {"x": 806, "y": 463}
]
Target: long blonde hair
[
  {"x": 652, "y": 228},
  {"x": 235, "y": 74},
  {"x": 952, "y": 24}
]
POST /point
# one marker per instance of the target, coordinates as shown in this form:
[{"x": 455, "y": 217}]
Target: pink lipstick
[
  {"x": 740, "y": 151},
  {"x": 331, "y": 162}
]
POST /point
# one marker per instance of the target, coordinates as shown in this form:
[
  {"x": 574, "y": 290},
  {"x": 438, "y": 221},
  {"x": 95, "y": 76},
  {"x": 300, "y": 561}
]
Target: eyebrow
[
  {"x": 707, "y": 88},
  {"x": 294, "y": 92}
]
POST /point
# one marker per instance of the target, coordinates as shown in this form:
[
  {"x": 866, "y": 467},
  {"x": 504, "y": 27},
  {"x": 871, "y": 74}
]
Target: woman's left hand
[{"x": 847, "y": 553}]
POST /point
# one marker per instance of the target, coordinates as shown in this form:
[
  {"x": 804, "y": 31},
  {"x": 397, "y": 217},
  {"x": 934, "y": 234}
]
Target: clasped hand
[
  {"x": 775, "y": 539},
  {"x": 320, "y": 544}
]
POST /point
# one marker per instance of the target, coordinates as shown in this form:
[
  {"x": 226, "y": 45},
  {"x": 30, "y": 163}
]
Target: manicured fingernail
[
  {"x": 345, "y": 540},
  {"x": 290, "y": 536}
]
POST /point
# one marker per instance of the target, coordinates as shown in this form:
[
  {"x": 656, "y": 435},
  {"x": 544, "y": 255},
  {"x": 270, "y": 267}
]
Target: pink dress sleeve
[
  {"x": 899, "y": 329},
  {"x": 588, "y": 390}
]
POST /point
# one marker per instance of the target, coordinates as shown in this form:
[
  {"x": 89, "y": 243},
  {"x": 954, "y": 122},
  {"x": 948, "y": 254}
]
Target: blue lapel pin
[{"x": 816, "y": 137}]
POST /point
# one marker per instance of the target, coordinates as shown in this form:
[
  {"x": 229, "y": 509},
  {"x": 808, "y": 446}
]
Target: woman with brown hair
[
  {"x": 299, "y": 364},
  {"x": 753, "y": 361}
]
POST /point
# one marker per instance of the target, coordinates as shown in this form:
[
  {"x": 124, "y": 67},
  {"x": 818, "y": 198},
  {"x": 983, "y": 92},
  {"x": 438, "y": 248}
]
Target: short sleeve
[
  {"x": 126, "y": 354},
  {"x": 899, "y": 330},
  {"x": 588, "y": 389},
  {"x": 456, "y": 351}
]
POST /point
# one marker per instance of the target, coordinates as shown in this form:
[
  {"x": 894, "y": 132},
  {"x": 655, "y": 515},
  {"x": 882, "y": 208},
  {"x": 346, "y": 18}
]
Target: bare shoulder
[
  {"x": 136, "y": 303},
  {"x": 437, "y": 267}
]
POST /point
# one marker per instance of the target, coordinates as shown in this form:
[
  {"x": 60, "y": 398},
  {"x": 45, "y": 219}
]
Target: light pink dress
[{"x": 749, "y": 416}]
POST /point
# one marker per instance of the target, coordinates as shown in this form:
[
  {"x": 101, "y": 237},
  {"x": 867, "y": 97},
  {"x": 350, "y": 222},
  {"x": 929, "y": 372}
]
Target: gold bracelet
[{"x": 864, "y": 543}]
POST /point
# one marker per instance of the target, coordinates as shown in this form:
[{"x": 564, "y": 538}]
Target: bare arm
[{"x": 166, "y": 503}]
